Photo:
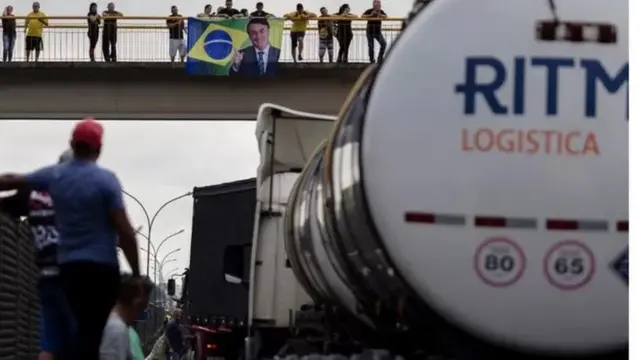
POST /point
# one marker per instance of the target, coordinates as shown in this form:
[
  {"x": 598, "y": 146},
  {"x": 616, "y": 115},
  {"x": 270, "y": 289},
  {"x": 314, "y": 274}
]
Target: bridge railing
[{"x": 146, "y": 39}]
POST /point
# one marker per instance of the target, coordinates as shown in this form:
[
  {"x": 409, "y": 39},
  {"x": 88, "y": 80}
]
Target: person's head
[
  {"x": 220, "y": 8},
  {"x": 323, "y": 11},
  {"x": 259, "y": 6},
  {"x": 36, "y": 6},
  {"x": 146, "y": 286},
  {"x": 174, "y": 10},
  {"x": 86, "y": 139},
  {"x": 93, "y": 8},
  {"x": 344, "y": 8},
  {"x": 377, "y": 4},
  {"x": 111, "y": 6},
  {"x": 67, "y": 155},
  {"x": 177, "y": 315},
  {"x": 8, "y": 10},
  {"x": 228, "y": 4},
  {"x": 299, "y": 8},
  {"x": 207, "y": 9},
  {"x": 258, "y": 30},
  {"x": 129, "y": 297}
]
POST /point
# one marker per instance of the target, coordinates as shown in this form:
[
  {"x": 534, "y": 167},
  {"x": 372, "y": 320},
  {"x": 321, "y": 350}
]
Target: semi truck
[{"x": 470, "y": 200}]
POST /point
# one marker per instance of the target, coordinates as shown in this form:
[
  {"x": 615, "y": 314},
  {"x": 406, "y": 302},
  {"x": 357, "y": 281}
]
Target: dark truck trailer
[{"x": 216, "y": 309}]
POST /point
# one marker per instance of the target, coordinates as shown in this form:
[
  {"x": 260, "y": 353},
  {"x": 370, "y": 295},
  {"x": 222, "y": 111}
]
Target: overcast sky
[
  {"x": 190, "y": 7},
  {"x": 155, "y": 161}
]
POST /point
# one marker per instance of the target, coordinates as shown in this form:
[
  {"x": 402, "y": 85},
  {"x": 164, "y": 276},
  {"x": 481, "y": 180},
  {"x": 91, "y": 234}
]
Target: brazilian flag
[{"x": 212, "y": 43}]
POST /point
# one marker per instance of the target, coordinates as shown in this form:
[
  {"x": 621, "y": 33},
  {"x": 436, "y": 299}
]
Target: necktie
[{"x": 261, "y": 62}]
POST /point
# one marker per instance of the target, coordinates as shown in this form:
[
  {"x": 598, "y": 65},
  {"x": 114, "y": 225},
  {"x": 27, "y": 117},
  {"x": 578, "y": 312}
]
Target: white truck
[{"x": 470, "y": 199}]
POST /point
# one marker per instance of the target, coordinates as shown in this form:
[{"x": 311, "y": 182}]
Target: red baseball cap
[{"x": 88, "y": 131}]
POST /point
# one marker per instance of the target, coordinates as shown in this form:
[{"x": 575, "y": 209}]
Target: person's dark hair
[
  {"x": 258, "y": 20},
  {"x": 299, "y": 6},
  {"x": 343, "y": 7},
  {"x": 259, "y": 4},
  {"x": 130, "y": 289},
  {"x": 208, "y": 6},
  {"x": 93, "y": 8},
  {"x": 147, "y": 286},
  {"x": 83, "y": 150}
]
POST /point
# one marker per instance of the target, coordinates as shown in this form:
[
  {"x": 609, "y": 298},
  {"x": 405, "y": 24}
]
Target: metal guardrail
[
  {"x": 19, "y": 308},
  {"x": 146, "y": 39}
]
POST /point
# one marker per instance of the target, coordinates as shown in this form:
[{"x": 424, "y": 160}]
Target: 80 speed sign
[{"x": 499, "y": 262}]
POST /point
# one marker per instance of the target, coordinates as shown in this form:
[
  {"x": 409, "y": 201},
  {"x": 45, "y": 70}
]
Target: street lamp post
[
  {"x": 151, "y": 219},
  {"x": 156, "y": 249}
]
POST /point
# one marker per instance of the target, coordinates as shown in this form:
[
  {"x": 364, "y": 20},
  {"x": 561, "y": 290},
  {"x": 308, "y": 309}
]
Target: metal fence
[
  {"x": 141, "y": 40},
  {"x": 19, "y": 309}
]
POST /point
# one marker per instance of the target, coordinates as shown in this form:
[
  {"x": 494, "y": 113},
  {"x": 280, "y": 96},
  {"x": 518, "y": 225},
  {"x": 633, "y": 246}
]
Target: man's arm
[
  {"x": 126, "y": 234},
  {"x": 38, "y": 180},
  {"x": 16, "y": 205},
  {"x": 367, "y": 14},
  {"x": 382, "y": 14},
  {"x": 44, "y": 19}
]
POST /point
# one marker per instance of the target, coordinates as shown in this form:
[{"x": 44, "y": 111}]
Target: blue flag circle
[{"x": 218, "y": 44}]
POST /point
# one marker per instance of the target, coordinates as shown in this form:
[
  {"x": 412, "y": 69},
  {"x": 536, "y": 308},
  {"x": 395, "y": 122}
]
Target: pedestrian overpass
[{"x": 160, "y": 91}]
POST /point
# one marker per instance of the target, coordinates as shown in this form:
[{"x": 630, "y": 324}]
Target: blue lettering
[
  {"x": 488, "y": 90},
  {"x": 552, "y": 66},
  {"x": 595, "y": 72},
  {"x": 472, "y": 89}
]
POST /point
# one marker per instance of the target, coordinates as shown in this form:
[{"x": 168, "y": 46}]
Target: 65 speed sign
[{"x": 569, "y": 265}]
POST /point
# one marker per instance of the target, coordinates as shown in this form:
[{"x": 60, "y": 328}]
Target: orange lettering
[
  {"x": 465, "y": 141},
  {"x": 477, "y": 140},
  {"x": 530, "y": 142}
]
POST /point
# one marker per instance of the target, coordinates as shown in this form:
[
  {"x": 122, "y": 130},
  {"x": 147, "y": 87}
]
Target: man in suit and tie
[{"x": 259, "y": 59}]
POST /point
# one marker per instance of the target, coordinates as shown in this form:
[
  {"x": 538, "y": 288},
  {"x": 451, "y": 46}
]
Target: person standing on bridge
[
  {"x": 92, "y": 220},
  {"x": 8, "y": 33},
  {"x": 344, "y": 32},
  {"x": 300, "y": 22},
  {"x": 374, "y": 30},
  {"x": 110, "y": 33},
  {"x": 177, "y": 29},
  {"x": 56, "y": 320},
  {"x": 93, "y": 30},
  {"x": 34, "y": 27}
]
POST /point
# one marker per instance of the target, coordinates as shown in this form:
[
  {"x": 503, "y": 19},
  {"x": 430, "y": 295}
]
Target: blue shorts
[{"x": 57, "y": 324}]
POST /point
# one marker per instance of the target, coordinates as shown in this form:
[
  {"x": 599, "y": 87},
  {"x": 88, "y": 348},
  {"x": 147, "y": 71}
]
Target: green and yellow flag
[{"x": 212, "y": 43}]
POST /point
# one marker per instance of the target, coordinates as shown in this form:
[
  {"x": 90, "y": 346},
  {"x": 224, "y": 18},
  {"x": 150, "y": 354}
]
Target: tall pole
[
  {"x": 154, "y": 250},
  {"x": 151, "y": 219}
]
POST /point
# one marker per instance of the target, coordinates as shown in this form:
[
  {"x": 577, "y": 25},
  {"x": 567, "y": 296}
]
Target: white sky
[
  {"x": 155, "y": 161},
  {"x": 189, "y": 7}
]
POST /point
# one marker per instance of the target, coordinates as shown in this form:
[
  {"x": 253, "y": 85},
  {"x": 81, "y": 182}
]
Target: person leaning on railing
[
  {"x": 8, "y": 33},
  {"x": 300, "y": 22},
  {"x": 344, "y": 32},
  {"x": 34, "y": 26},
  {"x": 110, "y": 33},
  {"x": 374, "y": 30}
]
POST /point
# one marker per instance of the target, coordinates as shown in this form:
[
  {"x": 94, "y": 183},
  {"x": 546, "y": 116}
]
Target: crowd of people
[
  {"x": 341, "y": 30},
  {"x": 77, "y": 216}
]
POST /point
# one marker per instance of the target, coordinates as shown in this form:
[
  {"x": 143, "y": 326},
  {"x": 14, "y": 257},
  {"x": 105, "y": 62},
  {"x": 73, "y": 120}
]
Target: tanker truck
[{"x": 470, "y": 199}]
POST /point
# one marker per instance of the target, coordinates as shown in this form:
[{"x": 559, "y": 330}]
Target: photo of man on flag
[{"x": 234, "y": 47}]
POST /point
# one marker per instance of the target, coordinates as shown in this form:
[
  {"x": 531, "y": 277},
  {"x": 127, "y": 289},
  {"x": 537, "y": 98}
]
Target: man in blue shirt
[
  {"x": 92, "y": 221},
  {"x": 175, "y": 338}
]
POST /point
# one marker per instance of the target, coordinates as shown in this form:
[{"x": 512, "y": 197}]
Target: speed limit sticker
[
  {"x": 569, "y": 265},
  {"x": 499, "y": 262}
]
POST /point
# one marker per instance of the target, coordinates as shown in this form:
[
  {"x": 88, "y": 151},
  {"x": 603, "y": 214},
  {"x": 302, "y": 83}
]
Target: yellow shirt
[
  {"x": 35, "y": 26},
  {"x": 299, "y": 24}
]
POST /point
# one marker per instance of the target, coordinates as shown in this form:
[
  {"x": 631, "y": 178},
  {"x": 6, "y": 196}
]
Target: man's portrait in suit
[{"x": 260, "y": 58}]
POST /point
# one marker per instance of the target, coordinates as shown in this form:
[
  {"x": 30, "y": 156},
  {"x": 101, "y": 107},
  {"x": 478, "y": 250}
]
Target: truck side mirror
[
  {"x": 171, "y": 287},
  {"x": 236, "y": 259}
]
